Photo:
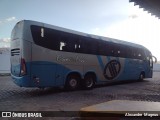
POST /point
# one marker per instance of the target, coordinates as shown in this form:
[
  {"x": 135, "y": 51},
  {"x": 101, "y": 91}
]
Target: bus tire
[
  {"x": 72, "y": 82},
  {"x": 88, "y": 82},
  {"x": 141, "y": 76}
]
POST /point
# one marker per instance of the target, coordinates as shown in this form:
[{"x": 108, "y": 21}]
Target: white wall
[
  {"x": 156, "y": 67},
  {"x": 4, "y": 63}
]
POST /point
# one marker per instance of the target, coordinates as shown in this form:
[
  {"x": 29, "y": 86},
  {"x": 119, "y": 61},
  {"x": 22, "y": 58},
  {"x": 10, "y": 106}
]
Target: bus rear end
[{"x": 18, "y": 63}]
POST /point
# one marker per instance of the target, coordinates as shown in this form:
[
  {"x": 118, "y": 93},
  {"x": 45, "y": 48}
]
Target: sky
[{"x": 118, "y": 19}]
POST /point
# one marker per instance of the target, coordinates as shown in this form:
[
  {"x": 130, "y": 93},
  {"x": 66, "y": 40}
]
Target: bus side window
[
  {"x": 124, "y": 51},
  {"x": 133, "y": 53},
  {"x": 118, "y": 50},
  {"x": 93, "y": 46},
  {"x": 102, "y": 48},
  {"x": 84, "y": 45},
  {"x": 65, "y": 42},
  {"x": 77, "y": 47},
  {"x": 75, "y": 44},
  {"x": 142, "y": 54},
  {"x": 115, "y": 49},
  {"x": 127, "y": 52},
  {"x": 139, "y": 54},
  {"x": 37, "y": 34},
  {"x": 136, "y": 51},
  {"x": 109, "y": 50},
  {"x": 51, "y": 39},
  {"x": 87, "y": 45}
]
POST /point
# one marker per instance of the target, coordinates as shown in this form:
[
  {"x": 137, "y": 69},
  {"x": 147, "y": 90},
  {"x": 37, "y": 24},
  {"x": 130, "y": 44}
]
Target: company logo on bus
[
  {"x": 112, "y": 69},
  {"x": 79, "y": 59}
]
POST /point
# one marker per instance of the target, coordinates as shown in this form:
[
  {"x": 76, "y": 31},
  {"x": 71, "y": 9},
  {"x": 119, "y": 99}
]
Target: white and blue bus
[{"x": 44, "y": 55}]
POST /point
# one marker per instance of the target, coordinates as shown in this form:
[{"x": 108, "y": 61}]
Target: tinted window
[
  {"x": 36, "y": 34},
  {"x": 127, "y": 51},
  {"x": 105, "y": 48},
  {"x": 140, "y": 54},
  {"x": 52, "y": 39},
  {"x": 46, "y": 37},
  {"x": 102, "y": 48},
  {"x": 63, "y": 41}
]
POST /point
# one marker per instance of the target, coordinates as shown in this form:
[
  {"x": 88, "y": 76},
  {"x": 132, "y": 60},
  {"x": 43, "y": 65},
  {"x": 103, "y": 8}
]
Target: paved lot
[{"x": 14, "y": 98}]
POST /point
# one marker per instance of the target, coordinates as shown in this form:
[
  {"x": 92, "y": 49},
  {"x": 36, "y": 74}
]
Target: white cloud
[
  {"x": 10, "y": 19},
  {"x": 5, "y": 46},
  {"x": 5, "y": 40}
]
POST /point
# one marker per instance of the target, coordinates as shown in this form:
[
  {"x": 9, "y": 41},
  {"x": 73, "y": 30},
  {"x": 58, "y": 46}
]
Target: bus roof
[{"x": 30, "y": 22}]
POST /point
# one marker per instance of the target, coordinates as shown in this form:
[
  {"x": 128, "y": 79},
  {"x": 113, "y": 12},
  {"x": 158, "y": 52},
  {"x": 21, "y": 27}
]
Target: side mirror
[{"x": 155, "y": 59}]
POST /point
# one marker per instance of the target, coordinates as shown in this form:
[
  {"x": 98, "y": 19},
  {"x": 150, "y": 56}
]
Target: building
[{"x": 4, "y": 60}]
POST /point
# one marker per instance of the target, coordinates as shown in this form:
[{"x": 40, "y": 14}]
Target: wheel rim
[
  {"x": 89, "y": 83},
  {"x": 73, "y": 83}
]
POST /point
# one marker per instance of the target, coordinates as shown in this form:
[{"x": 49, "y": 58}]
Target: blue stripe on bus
[
  {"x": 100, "y": 62},
  {"x": 108, "y": 58},
  {"x": 50, "y": 74}
]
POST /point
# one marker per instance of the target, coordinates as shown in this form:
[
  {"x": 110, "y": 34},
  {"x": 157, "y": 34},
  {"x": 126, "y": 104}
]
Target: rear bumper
[{"x": 23, "y": 81}]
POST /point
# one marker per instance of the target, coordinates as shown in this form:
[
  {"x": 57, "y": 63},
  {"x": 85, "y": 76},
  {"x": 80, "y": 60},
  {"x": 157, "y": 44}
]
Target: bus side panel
[
  {"x": 43, "y": 74},
  {"x": 132, "y": 69},
  {"x": 42, "y": 70},
  {"x": 94, "y": 69},
  {"x": 47, "y": 69},
  {"x": 74, "y": 68},
  {"x": 91, "y": 65},
  {"x": 59, "y": 77},
  {"x": 123, "y": 72},
  {"x": 99, "y": 65}
]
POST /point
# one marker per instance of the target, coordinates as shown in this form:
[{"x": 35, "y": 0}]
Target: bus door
[
  {"x": 132, "y": 63},
  {"x": 149, "y": 64},
  {"x": 132, "y": 71}
]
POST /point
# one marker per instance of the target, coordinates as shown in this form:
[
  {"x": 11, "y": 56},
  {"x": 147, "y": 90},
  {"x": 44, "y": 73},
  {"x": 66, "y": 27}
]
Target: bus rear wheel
[
  {"x": 88, "y": 82},
  {"x": 72, "y": 82}
]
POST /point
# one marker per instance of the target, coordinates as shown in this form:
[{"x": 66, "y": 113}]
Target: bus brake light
[{"x": 23, "y": 67}]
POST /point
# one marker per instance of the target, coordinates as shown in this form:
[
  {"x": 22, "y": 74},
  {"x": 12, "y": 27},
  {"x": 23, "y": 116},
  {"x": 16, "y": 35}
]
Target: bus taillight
[{"x": 23, "y": 67}]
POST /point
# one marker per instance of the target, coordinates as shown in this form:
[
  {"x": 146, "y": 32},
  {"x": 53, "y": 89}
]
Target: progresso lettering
[{"x": 61, "y": 58}]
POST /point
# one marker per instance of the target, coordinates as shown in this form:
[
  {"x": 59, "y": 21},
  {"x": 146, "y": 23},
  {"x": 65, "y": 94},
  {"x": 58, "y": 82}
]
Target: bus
[{"x": 44, "y": 55}]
